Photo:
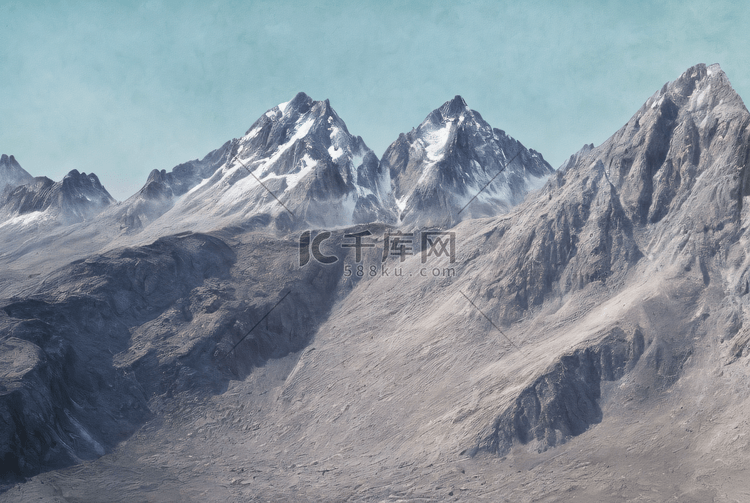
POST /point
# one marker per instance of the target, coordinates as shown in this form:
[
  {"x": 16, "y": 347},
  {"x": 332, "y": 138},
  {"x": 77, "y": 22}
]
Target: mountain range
[
  {"x": 501, "y": 330},
  {"x": 299, "y": 166}
]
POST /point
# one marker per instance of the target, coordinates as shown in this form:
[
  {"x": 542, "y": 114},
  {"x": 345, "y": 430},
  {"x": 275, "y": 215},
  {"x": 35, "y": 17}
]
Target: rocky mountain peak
[
  {"x": 11, "y": 173},
  {"x": 452, "y": 111},
  {"x": 610, "y": 308},
  {"x": 453, "y": 108},
  {"x": 85, "y": 186},
  {"x": 697, "y": 84},
  {"x": 695, "y": 124},
  {"x": 573, "y": 159},
  {"x": 76, "y": 177},
  {"x": 78, "y": 196},
  {"x": 441, "y": 169},
  {"x": 300, "y": 104},
  {"x": 300, "y": 154},
  {"x": 298, "y": 164}
]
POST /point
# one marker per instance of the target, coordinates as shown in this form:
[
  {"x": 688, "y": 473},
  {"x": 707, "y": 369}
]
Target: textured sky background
[{"x": 121, "y": 88}]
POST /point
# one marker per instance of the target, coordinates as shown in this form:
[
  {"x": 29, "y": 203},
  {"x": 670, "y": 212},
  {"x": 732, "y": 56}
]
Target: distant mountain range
[
  {"x": 75, "y": 198},
  {"x": 298, "y": 166}
]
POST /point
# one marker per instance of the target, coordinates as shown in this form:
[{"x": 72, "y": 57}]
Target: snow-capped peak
[
  {"x": 297, "y": 162},
  {"x": 447, "y": 162},
  {"x": 77, "y": 197}
]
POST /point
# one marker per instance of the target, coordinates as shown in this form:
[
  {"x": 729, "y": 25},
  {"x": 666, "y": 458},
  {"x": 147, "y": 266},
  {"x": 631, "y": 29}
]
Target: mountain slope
[
  {"x": 86, "y": 354},
  {"x": 298, "y": 166},
  {"x": 162, "y": 188},
  {"x": 301, "y": 152},
  {"x": 652, "y": 218},
  {"x": 575, "y": 158},
  {"x": 439, "y": 167},
  {"x": 616, "y": 306}
]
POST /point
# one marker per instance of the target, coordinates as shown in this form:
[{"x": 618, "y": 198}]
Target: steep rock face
[
  {"x": 64, "y": 397},
  {"x": 75, "y": 198},
  {"x": 12, "y": 174},
  {"x": 577, "y": 157},
  {"x": 660, "y": 203},
  {"x": 99, "y": 342},
  {"x": 439, "y": 167},
  {"x": 564, "y": 401},
  {"x": 678, "y": 163},
  {"x": 622, "y": 283},
  {"x": 694, "y": 125},
  {"x": 297, "y": 165}
]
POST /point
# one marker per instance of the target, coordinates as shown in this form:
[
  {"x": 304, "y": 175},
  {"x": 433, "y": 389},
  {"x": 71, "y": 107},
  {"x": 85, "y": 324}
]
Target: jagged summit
[
  {"x": 7, "y": 160},
  {"x": 652, "y": 225},
  {"x": 439, "y": 167},
  {"x": 162, "y": 188},
  {"x": 692, "y": 125},
  {"x": 453, "y": 108},
  {"x": 11, "y": 173},
  {"x": 77, "y": 197},
  {"x": 297, "y": 165},
  {"x": 573, "y": 159},
  {"x": 693, "y": 88},
  {"x": 449, "y": 111},
  {"x": 300, "y": 104}
]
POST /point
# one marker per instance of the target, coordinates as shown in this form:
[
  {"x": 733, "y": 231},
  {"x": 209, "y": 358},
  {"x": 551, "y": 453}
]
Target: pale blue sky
[{"x": 121, "y": 88}]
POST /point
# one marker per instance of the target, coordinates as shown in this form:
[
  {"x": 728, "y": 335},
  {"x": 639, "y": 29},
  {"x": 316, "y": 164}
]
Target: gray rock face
[
  {"x": 12, "y": 174},
  {"x": 660, "y": 165},
  {"x": 302, "y": 158},
  {"x": 85, "y": 354},
  {"x": 666, "y": 192},
  {"x": 447, "y": 162},
  {"x": 65, "y": 394},
  {"x": 309, "y": 171},
  {"x": 76, "y": 197},
  {"x": 564, "y": 402},
  {"x": 576, "y": 158}
]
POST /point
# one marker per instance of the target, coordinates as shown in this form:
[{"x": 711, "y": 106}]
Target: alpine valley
[{"x": 292, "y": 318}]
